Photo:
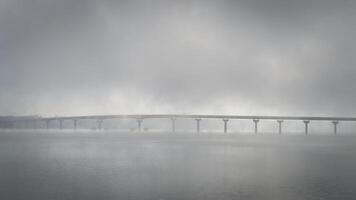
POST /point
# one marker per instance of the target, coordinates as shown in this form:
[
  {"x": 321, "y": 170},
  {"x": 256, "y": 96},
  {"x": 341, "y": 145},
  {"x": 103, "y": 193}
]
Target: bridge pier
[
  {"x": 335, "y": 123},
  {"x": 256, "y": 125},
  {"x": 60, "y": 124},
  {"x": 198, "y": 124},
  {"x": 279, "y": 126},
  {"x": 34, "y": 124},
  {"x": 47, "y": 123},
  {"x": 75, "y": 124},
  {"x": 27, "y": 124},
  {"x": 139, "y": 123},
  {"x": 173, "y": 125},
  {"x": 225, "y": 125},
  {"x": 14, "y": 125},
  {"x": 306, "y": 124},
  {"x": 100, "y": 124}
]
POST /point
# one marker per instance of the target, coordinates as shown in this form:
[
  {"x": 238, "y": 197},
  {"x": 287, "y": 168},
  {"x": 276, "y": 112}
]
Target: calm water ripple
[{"x": 40, "y": 165}]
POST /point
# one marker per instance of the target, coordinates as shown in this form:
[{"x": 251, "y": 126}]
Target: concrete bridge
[{"x": 140, "y": 119}]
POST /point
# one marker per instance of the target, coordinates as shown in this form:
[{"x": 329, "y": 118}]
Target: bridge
[{"x": 140, "y": 119}]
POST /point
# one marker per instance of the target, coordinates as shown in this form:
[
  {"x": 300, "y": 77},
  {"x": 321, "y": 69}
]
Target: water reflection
[{"x": 163, "y": 166}]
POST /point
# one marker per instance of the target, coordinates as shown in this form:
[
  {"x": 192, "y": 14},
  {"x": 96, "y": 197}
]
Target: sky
[{"x": 243, "y": 57}]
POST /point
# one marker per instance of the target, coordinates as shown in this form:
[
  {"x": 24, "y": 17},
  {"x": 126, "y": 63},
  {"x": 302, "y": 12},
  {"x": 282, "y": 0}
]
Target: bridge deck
[{"x": 157, "y": 116}]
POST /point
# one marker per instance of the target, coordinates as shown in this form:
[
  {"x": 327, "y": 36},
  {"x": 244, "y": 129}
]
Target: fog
[{"x": 78, "y": 57}]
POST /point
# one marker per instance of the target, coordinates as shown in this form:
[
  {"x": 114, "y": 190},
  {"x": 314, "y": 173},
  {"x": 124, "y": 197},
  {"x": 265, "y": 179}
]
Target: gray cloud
[{"x": 237, "y": 57}]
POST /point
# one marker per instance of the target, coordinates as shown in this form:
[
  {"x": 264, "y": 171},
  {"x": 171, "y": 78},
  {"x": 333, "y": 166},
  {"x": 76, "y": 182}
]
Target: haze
[{"x": 78, "y": 57}]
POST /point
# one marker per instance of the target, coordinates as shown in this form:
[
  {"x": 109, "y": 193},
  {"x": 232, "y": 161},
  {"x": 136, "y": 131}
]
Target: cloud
[{"x": 235, "y": 57}]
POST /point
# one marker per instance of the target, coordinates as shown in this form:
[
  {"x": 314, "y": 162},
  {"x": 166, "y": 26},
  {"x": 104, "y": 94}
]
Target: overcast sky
[{"x": 78, "y": 57}]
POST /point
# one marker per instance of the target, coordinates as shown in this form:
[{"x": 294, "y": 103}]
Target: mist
[{"x": 208, "y": 57}]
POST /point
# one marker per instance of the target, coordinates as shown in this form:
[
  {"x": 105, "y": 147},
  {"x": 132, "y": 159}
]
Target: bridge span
[{"x": 173, "y": 117}]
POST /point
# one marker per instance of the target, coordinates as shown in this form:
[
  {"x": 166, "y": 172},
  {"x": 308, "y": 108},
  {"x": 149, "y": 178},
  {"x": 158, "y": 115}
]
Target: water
[{"x": 182, "y": 166}]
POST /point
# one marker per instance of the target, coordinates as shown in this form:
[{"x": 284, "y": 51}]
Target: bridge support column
[
  {"x": 173, "y": 125},
  {"x": 13, "y": 125},
  {"x": 48, "y": 124},
  {"x": 335, "y": 126},
  {"x": 34, "y": 124},
  {"x": 225, "y": 125},
  {"x": 60, "y": 124},
  {"x": 139, "y": 123},
  {"x": 198, "y": 124},
  {"x": 256, "y": 125},
  {"x": 306, "y": 124},
  {"x": 279, "y": 126},
  {"x": 100, "y": 124},
  {"x": 27, "y": 124},
  {"x": 75, "y": 124}
]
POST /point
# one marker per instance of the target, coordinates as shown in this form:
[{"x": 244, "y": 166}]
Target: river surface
[{"x": 103, "y": 165}]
